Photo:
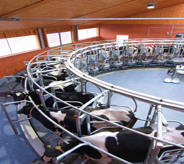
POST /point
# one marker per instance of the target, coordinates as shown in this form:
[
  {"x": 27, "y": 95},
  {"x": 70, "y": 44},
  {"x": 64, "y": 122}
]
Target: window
[
  {"x": 4, "y": 48},
  {"x": 86, "y": 33},
  {"x": 121, "y": 38},
  {"x": 53, "y": 39},
  {"x": 60, "y": 38},
  {"x": 17, "y": 44},
  {"x": 66, "y": 37},
  {"x": 82, "y": 34},
  {"x": 24, "y": 43}
]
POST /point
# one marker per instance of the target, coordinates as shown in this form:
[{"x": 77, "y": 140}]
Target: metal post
[
  {"x": 88, "y": 124},
  {"x": 41, "y": 97},
  {"x": 148, "y": 116},
  {"x": 77, "y": 37},
  {"x": 157, "y": 145},
  {"x": 109, "y": 99},
  {"x": 60, "y": 38},
  {"x": 82, "y": 85},
  {"x": 85, "y": 87},
  {"x": 10, "y": 121},
  {"x": 78, "y": 123},
  {"x": 154, "y": 118},
  {"x": 53, "y": 92},
  {"x": 40, "y": 37}
]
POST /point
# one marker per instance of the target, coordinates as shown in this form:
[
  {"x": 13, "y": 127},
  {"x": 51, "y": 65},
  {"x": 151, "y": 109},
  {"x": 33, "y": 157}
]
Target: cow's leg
[
  {"x": 104, "y": 62},
  {"x": 162, "y": 57},
  {"x": 94, "y": 65},
  {"x": 119, "y": 58}
]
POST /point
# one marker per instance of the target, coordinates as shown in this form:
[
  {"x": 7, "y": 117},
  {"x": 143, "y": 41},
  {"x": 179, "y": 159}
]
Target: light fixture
[{"x": 150, "y": 5}]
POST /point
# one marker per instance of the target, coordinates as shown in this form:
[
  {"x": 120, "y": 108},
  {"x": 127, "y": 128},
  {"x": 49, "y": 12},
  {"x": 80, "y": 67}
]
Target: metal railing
[{"x": 77, "y": 72}]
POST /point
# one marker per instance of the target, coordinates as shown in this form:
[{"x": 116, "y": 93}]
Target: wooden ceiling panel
[
  {"x": 67, "y": 9},
  {"x": 53, "y": 9},
  {"x": 8, "y": 6},
  {"x": 13, "y": 26}
]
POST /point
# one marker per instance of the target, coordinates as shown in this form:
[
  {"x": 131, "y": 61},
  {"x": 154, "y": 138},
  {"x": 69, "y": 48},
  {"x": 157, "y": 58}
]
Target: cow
[
  {"x": 50, "y": 70},
  {"x": 78, "y": 98},
  {"x": 164, "y": 51},
  {"x": 59, "y": 75},
  {"x": 47, "y": 80},
  {"x": 66, "y": 117},
  {"x": 123, "y": 117},
  {"x": 145, "y": 55},
  {"x": 56, "y": 115},
  {"x": 127, "y": 145}
]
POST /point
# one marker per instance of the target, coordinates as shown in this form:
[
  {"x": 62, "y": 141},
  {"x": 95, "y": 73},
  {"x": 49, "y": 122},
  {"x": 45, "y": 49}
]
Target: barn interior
[{"x": 47, "y": 21}]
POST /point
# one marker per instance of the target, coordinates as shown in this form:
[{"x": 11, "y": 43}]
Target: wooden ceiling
[{"x": 58, "y": 9}]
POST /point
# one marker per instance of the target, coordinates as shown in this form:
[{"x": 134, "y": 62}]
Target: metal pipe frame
[
  {"x": 160, "y": 102},
  {"x": 8, "y": 117},
  {"x": 115, "y": 124}
]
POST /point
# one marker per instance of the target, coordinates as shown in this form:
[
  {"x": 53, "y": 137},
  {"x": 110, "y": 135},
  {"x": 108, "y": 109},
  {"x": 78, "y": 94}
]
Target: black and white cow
[
  {"x": 78, "y": 97},
  {"x": 127, "y": 145},
  {"x": 47, "y": 81},
  {"x": 56, "y": 115},
  {"x": 124, "y": 117},
  {"x": 66, "y": 118}
]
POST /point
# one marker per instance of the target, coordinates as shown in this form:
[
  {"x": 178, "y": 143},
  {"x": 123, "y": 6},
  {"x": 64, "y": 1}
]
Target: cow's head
[
  {"x": 132, "y": 120},
  {"x": 25, "y": 109},
  {"x": 18, "y": 96},
  {"x": 70, "y": 88}
]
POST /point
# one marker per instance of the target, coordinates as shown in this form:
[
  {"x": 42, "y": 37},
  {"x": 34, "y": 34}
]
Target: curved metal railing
[{"x": 78, "y": 70}]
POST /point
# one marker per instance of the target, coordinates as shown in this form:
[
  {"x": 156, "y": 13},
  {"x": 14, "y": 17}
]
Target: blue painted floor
[
  {"x": 147, "y": 81},
  {"x": 15, "y": 149}
]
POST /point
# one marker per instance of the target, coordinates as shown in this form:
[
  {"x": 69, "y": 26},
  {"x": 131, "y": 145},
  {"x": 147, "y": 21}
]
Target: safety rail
[{"x": 80, "y": 72}]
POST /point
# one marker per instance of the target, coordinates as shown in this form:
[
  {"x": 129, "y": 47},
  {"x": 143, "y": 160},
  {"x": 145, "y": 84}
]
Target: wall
[
  {"x": 88, "y": 40},
  {"x": 109, "y": 31},
  {"x": 14, "y": 63}
]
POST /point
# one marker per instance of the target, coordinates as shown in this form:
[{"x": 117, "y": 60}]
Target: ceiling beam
[{"x": 96, "y": 19}]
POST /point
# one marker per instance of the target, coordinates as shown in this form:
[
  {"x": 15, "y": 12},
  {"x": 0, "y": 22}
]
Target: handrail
[
  {"x": 69, "y": 64},
  {"x": 129, "y": 93}
]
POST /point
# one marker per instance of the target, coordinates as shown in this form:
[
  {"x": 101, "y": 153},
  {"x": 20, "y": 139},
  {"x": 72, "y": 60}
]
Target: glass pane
[
  {"x": 4, "y": 49},
  {"x": 23, "y": 43},
  {"x": 91, "y": 32},
  {"x": 66, "y": 37},
  {"x": 82, "y": 34},
  {"x": 53, "y": 39}
]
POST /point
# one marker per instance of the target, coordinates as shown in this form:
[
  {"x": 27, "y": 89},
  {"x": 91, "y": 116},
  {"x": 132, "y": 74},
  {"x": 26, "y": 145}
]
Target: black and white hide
[
  {"x": 56, "y": 115},
  {"x": 127, "y": 145},
  {"x": 47, "y": 81},
  {"x": 78, "y": 98},
  {"x": 123, "y": 117},
  {"x": 66, "y": 118}
]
